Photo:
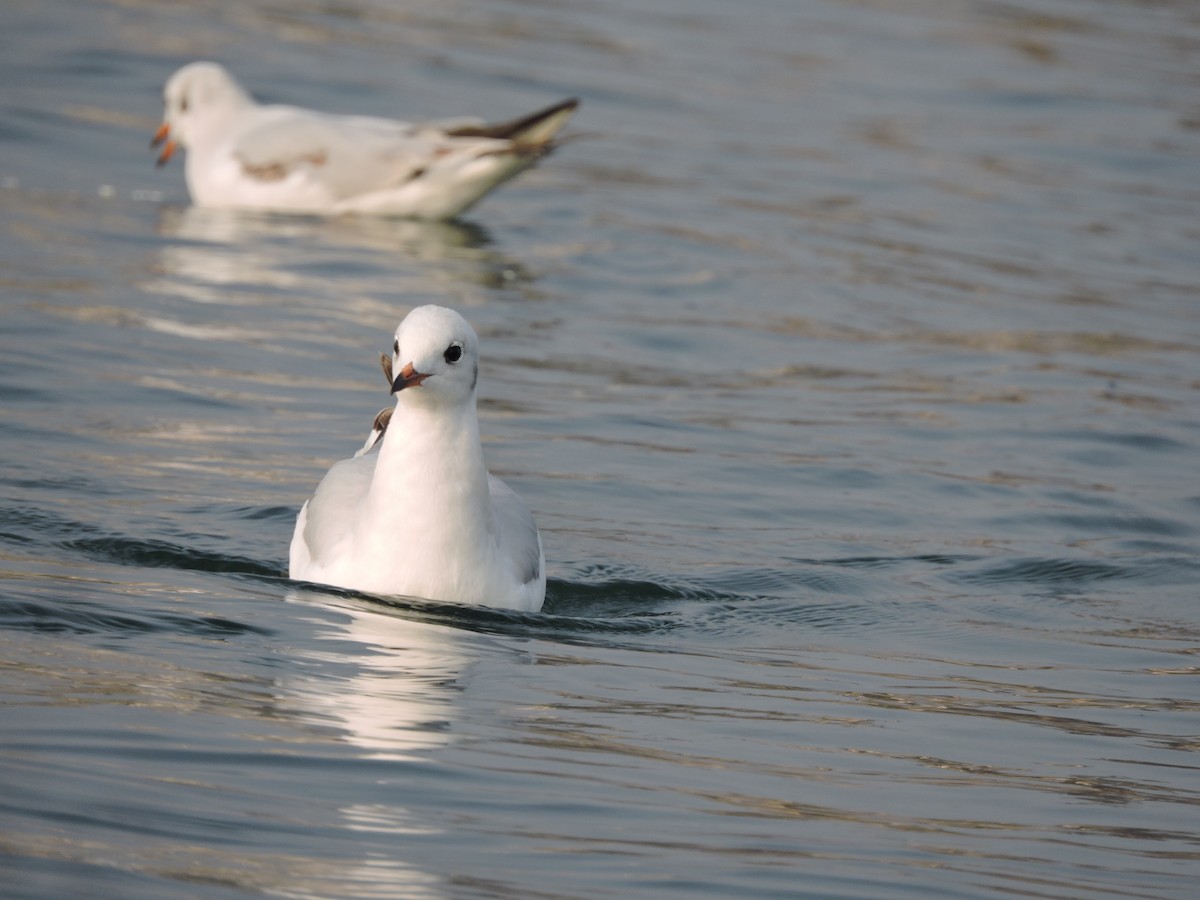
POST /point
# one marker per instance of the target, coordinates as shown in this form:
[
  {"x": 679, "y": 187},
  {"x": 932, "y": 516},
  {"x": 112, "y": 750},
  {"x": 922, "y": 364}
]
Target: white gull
[
  {"x": 415, "y": 512},
  {"x": 242, "y": 154}
]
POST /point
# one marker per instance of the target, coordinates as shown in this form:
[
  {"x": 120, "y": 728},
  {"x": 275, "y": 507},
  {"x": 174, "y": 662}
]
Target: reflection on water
[
  {"x": 401, "y": 698},
  {"x": 388, "y": 686},
  {"x": 232, "y": 257}
]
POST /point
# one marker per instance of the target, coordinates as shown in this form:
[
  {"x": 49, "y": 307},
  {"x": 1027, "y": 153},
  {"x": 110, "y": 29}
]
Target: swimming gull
[
  {"x": 241, "y": 154},
  {"x": 415, "y": 512}
]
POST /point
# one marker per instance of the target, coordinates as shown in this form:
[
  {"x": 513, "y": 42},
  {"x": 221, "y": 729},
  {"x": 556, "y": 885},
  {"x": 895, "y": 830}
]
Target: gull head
[
  {"x": 435, "y": 357},
  {"x": 196, "y": 102}
]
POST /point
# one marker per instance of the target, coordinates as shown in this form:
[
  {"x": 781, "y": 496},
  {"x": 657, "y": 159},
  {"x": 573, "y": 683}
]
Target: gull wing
[
  {"x": 519, "y": 539},
  {"x": 324, "y": 522},
  {"x": 349, "y": 155}
]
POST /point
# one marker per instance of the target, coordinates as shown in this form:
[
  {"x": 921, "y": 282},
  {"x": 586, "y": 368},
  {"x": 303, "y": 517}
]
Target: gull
[
  {"x": 246, "y": 155},
  {"x": 415, "y": 511}
]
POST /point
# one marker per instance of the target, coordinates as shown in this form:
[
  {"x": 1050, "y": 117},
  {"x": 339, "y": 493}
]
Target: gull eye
[
  {"x": 396, "y": 347},
  {"x": 453, "y": 353},
  {"x": 183, "y": 104}
]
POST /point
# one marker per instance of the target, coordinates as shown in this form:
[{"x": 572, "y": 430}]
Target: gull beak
[
  {"x": 408, "y": 377},
  {"x": 160, "y": 137}
]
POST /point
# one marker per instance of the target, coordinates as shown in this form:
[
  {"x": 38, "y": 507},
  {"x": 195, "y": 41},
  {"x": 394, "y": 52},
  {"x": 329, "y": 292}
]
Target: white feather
[
  {"x": 416, "y": 512},
  {"x": 241, "y": 154}
]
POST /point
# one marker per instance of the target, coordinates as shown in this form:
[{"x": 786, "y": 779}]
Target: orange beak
[
  {"x": 408, "y": 377},
  {"x": 168, "y": 146}
]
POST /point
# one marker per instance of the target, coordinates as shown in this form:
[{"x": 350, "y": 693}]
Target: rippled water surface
[{"x": 847, "y": 358}]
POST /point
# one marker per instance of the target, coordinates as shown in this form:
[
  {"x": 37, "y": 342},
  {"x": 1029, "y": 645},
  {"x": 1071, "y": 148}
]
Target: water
[{"x": 848, "y": 364}]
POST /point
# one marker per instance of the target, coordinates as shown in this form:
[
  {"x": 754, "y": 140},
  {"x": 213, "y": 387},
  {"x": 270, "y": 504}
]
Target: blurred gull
[
  {"x": 415, "y": 512},
  {"x": 241, "y": 154}
]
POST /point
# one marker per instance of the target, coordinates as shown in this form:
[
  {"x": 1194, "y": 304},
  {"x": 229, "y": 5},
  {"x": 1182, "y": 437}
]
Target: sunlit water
[{"x": 848, "y": 360}]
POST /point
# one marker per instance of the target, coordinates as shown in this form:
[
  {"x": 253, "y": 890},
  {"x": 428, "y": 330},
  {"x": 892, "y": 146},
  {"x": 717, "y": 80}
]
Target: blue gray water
[{"x": 848, "y": 361}]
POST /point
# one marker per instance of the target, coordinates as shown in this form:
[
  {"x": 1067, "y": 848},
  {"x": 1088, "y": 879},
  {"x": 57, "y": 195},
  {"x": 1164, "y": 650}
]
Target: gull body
[
  {"x": 243, "y": 154},
  {"x": 415, "y": 512}
]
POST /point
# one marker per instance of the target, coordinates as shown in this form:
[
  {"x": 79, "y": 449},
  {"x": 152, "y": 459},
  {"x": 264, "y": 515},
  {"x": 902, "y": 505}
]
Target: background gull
[{"x": 242, "y": 154}]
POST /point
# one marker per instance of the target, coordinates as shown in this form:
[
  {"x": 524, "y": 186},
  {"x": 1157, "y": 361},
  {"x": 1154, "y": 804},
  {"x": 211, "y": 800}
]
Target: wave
[
  {"x": 1080, "y": 573},
  {"x": 71, "y": 613},
  {"x": 591, "y": 602}
]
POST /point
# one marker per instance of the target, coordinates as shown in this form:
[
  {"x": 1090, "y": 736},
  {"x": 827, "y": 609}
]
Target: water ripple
[
  {"x": 73, "y": 615},
  {"x": 27, "y": 526},
  {"x": 1079, "y": 572},
  {"x": 163, "y": 554}
]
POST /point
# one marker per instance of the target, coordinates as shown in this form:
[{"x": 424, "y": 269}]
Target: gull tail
[{"x": 534, "y": 131}]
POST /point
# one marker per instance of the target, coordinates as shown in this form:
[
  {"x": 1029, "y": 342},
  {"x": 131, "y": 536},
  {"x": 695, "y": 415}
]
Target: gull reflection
[
  {"x": 233, "y": 257},
  {"x": 398, "y": 685},
  {"x": 389, "y": 686}
]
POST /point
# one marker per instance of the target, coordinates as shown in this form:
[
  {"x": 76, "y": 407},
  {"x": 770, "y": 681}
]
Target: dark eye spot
[
  {"x": 453, "y": 353},
  {"x": 396, "y": 347},
  {"x": 183, "y": 104}
]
